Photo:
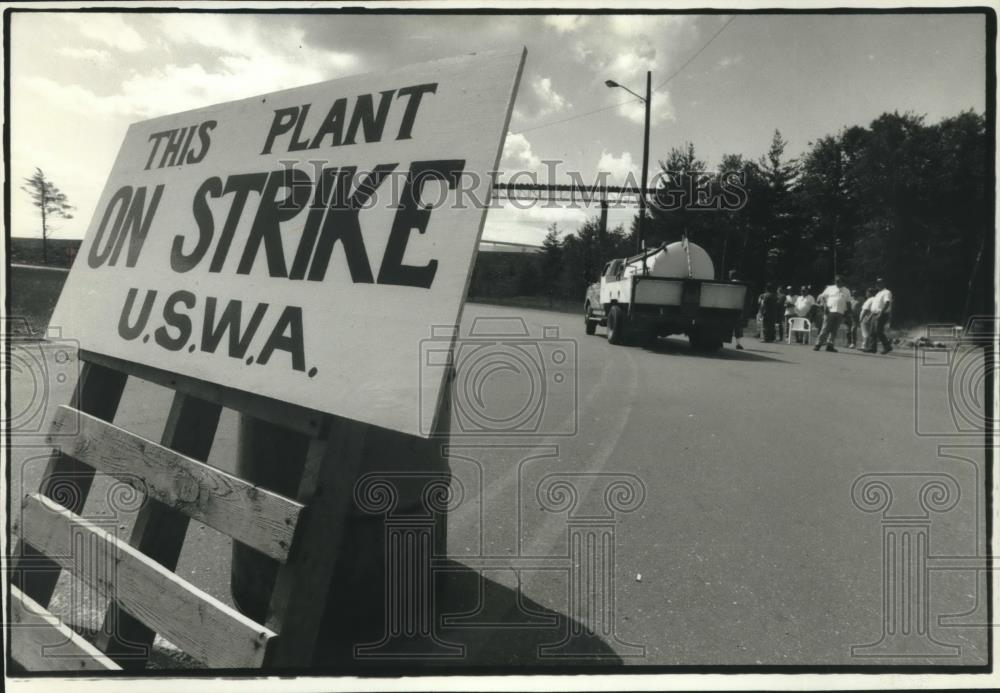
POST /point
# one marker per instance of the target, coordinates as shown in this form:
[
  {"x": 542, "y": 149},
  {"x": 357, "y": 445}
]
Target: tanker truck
[{"x": 670, "y": 289}]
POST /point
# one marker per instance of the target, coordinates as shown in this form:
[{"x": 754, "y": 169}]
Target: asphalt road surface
[{"x": 718, "y": 489}]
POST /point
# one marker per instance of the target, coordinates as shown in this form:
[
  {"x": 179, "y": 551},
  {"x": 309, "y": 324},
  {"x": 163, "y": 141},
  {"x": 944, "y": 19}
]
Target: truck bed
[{"x": 706, "y": 310}]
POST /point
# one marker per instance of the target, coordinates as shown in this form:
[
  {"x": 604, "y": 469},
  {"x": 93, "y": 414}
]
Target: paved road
[{"x": 739, "y": 543}]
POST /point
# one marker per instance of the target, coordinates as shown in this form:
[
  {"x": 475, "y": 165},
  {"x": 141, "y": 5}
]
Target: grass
[{"x": 33, "y": 296}]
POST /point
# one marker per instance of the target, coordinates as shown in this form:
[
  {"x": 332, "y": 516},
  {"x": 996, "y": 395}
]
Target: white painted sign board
[{"x": 300, "y": 245}]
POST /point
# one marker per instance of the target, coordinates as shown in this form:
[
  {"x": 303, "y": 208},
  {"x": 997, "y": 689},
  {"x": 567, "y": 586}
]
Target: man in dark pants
[
  {"x": 881, "y": 313},
  {"x": 767, "y": 313}
]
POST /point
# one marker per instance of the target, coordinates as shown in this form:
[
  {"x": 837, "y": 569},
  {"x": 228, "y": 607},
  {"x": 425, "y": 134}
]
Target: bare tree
[{"x": 51, "y": 202}]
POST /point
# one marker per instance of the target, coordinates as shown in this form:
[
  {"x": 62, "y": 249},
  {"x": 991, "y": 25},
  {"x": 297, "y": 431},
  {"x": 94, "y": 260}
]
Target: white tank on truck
[
  {"x": 674, "y": 261},
  {"x": 666, "y": 290}
]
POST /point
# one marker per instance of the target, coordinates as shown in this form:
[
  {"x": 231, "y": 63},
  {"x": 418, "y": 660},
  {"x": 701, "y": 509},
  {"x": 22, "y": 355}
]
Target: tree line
[{"x": 902, "y": 199}]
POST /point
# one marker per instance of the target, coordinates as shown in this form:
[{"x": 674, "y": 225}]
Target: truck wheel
[
  {"x": 705, "y": 340},
  {"x": 589, "y": 324},
  {"x": 616, "y": 325}
]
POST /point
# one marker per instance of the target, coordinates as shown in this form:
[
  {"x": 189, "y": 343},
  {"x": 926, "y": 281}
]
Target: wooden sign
[{"x": 299, "y": 245}]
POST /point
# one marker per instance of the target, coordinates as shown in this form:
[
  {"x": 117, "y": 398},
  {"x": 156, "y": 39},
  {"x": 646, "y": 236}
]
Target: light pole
[{"x": 639, "y": 241}]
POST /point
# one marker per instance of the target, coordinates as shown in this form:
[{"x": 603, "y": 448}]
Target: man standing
[
  {"x": 767, "y": 313},
  {"x": 781, "y": 300},
  {"x": 835, "y": 299},
  {"x": 867, "y": 329},
  {"x": 881, "y": 313}
]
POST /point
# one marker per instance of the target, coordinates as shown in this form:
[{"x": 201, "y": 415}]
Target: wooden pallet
[{"x": 303, "y": 533}]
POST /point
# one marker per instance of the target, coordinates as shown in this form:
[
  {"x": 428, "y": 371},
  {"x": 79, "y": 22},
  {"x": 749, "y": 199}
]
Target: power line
[
  {"x": 658, "y": 87},
  {"x": 574, "y": 117},
  {"x": 692, "y": 58}
]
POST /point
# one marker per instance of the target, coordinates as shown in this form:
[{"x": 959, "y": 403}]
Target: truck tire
[
  {"x": 706, "y": 340},
  {"x": 616, "y": 325},
  {"x": 589, "y": 324}
]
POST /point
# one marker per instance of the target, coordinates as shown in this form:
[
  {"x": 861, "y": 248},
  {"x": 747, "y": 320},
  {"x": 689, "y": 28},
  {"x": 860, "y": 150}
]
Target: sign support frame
[{"x": 288, "y": 636}]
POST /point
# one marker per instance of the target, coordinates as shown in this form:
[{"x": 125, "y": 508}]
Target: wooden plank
[
  {"x": 299, "y": 598},
  {"x": 97, "y": 392},
  {"x": 41, "y": 642},
  {"x": 158, "y": 530},
  {"x": 196, "y": 622},
  {"x": 254, "y": 516},
  {"x": 301, "y": 419}
]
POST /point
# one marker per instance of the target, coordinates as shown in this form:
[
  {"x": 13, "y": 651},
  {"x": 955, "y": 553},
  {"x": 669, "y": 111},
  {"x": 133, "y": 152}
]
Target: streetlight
[{"x": 645, "y": 155}]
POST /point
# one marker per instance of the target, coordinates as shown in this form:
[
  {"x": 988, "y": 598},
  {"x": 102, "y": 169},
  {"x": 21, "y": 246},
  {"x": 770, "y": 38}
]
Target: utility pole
[
  {"x": 640, "y": 240},
  {"x": 645, "y": 170}
]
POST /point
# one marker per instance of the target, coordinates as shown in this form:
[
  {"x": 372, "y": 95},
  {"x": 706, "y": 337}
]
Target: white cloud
[
  {"x": 632, "y": 63},
  {"x": 628, "y": 24},
  {"x": 552, "y": 101},
  {"x": 111, "y": 30},
  {"x": 251, "y": 60},
  {"x": 560, "y": 215},
  {"x": 76, "y": 98},
  {"x": 508, "y": 223},
  {"x": 91, "y": 55},
  {"x": 617, "y": 167},
  {"x": 625, "y": 47},
  {"x": 511, "y": 231},
  {"x": 662, "y": 109},
  {"x": 186, "y": 87},
  {"x": 242, "y": 36},
  {"x": 634, "y": 50},
  {"x": 566, "y": 22},
  {"x": 169, "y": 63},
  {"x": 171, "y": 89},
  {"x": 248, "y": 61},
  {"x": 517, "y": 154}
]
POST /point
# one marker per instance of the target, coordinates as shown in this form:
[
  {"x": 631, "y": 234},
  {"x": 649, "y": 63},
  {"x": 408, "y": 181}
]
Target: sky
[{"x": 78, "y": 80}]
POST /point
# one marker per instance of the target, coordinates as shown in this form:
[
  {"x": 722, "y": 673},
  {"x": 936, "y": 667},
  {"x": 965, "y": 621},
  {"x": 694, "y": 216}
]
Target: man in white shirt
[
  {"x": 867, "y": 326},
  {"x": 835, "y": 298},
  {"x": 804, "y": 303},
  {"x": 881, "y": 309},
  {"x": 803, "y": 307}
]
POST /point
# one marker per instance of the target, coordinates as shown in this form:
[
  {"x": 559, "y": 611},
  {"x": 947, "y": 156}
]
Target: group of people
[{"x": 835, "y": 306}]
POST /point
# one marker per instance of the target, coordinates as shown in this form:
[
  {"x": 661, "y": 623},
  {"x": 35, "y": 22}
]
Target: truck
[{"x": 670, "y": 289}]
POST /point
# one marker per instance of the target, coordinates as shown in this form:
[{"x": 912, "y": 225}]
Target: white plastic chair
[{"x": 798, "y": 325}]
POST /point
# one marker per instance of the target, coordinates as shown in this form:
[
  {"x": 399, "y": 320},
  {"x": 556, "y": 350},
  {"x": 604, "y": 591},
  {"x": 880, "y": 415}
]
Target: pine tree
[
  {"x": 51, "y": 202},
  {"x": 552, "y": 251},
  {"x": 780, "y": 175}
]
